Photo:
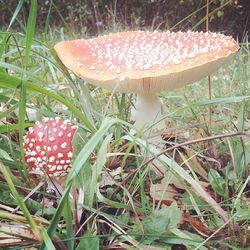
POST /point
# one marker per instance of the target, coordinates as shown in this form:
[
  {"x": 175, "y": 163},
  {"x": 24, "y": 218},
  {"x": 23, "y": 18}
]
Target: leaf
[
  {"x": 160, "y": 192},
  {"x": 159, "y": 222},
  {"x": 217, "y": 182},
  {"x": 6, "y": 198},
  {"x": 5, "y": 155},
  {"x": 22, "y": 231},
  {"x": 89, "y": 241}
]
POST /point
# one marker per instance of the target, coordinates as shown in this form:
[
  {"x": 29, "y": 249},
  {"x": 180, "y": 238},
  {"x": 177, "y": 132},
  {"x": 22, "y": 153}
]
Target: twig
[
  {"x": 209, "y": 138},
  {"x": 28, "y": 196}
]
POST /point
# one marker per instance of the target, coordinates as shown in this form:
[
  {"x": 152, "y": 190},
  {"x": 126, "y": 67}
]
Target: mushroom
[
  {"x": 48, "y": 147},
  {"x": 146, "y": 62}
]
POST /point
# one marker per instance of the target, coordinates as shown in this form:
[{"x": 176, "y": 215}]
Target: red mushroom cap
[
  {"x": 143, "y": 61},
  {"x": 48, "y": 146}
]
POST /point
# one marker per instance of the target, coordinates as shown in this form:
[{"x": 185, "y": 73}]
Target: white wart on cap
[
  {"x": 146, "y": 62},
  {"x": 48, "y": 146}
]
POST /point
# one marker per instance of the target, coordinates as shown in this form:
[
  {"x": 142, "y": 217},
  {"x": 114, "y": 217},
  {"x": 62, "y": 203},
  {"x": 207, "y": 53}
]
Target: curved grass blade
[
  {"x": 23, "y": 90},
  {"x": 69, "y": 225},
  {"x": 54, "y": 222},
  {"x": 19, "y": 6},
  {"x": 7, "y": 81},
  {"x": 47, "y": 241},
  {"x": 10, "y": 127}
]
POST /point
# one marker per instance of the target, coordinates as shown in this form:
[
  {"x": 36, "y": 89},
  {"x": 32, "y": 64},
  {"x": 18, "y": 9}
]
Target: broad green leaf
[
  {"x": 162, "y": 220},
  {"x": 217, "y": 182},
  {"x": 5, "y": 155},
  {"x": 88, "y": 242},
  {"x": 6, "y": 198}
]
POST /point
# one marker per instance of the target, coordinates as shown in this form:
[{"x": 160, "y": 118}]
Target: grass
[{"x": 121, "y": 200}]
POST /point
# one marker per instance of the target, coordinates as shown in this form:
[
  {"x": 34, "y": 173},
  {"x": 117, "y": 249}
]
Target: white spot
[
  {"x": 64, "y": 145},
  {"x": 60, "y": 155},
  {"x": 59, "y": 167},
  {"x": 53, "y": 168},
  {"x": 33, "y": 153},
  {"x": 41, "y": 134},
  {"x": 46, "y": 119},
  {"x": 31, "y": 130},
  {"x": 51, "y": 138},
  {"x": 60, "y": 134},
  {"x": 52, "y": 158}
]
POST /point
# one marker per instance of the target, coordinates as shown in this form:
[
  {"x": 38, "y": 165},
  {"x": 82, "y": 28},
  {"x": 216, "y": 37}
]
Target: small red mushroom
[{"x": 48, "y": 146}]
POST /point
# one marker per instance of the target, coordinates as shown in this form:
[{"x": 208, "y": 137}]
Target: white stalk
[{"x": 148, "y": 110}]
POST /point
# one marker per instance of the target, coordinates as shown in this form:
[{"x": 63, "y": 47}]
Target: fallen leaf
[{"x": 159, "y": 192}]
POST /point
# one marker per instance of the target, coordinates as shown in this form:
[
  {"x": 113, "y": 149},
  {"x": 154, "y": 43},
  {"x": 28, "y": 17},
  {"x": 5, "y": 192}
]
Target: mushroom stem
[{"x": 148, "y": 110}]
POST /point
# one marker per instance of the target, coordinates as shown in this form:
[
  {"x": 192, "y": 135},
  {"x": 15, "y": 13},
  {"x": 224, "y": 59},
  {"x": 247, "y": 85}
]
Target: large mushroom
[
  {"x": 48, "y": 148},
  {"x": 146, "y": 62}
]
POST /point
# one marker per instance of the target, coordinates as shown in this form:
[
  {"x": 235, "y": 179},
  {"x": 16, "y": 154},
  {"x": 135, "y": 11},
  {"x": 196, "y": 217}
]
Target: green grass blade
[
  {"x": 19, "y": 6},
  {"x": 8, "y": 111},
  {"x": 10, "y": 127},
  {"x": 89, "y": 147},
  {"x": 4, "y": 43},
  {"x": 97, "y": 169},
  {"x": 7, "y": 81},
  {"x": 69, "y": 225},
  {"x": 30, "y": 30},
  {"x": 46, "y": 26},
  {"x": 54, "y": 222},
  {"x": 23, "y": 92},
  {"x": 47, "y": 241}
]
